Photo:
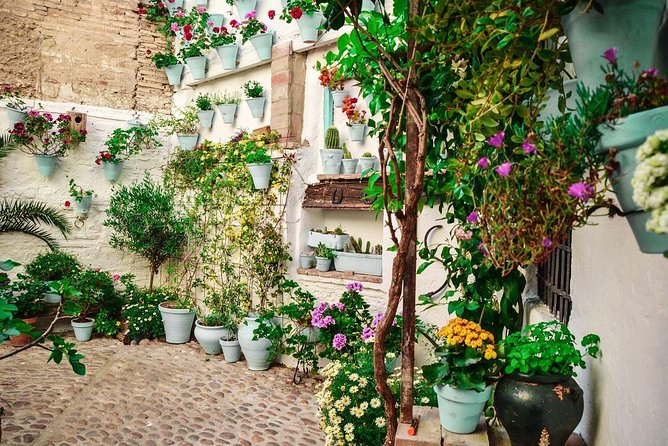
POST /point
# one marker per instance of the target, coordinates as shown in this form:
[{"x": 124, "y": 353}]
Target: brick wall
[{"x": 82, "y": 51}]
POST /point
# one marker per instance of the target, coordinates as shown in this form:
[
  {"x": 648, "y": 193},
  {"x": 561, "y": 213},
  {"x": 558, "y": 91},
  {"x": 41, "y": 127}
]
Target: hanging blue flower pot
[
  {"x": 228, "y": 56},
  {"x": 309, "y": 24},
  {"x": 215, "y": 21},
  {"x": 46, "y": 164},
  {"x": 206, "y": 118},
  {"x": 256, "y": 106},
  {"x": 263, "y": 44},
  {"x": 82, "y": 206},
  {"x": 112, "y": 170},
  {"x": 244, "y": 7},
  {"x": 188, "y": 142},
  {"x": 14, "y": 117},
  {"x": 197, "y": 66},
  {"x": 228, "y": 112},
  {"x": 174, "y": 73},
  {"x": 261, "y": 174}
]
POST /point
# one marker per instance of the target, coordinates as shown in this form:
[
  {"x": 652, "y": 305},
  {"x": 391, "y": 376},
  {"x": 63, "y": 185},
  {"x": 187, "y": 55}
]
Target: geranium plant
[
  {"x": 546, "y": 348},
  {"x": 467, "y": 357},
  {"x": 42, "y": 134},
  {"x": 650, "y": 181},
  {"x": 353, "y": 114},
  {"x": 250, "y": 26},
  {"x": 165, "y": 58},
  {"x": 122, "y": 144},
  {"x": 223, "y": 36},
  {"x": 77, "y": 192},
  {"x": 192, "y": 29},
  {"x": 253, "y": 89},
  {"x": 10, "y": 95},
  {"x": 295, "y": 9}
]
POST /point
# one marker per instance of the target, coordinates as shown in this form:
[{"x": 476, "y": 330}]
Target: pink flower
[
  {"x": 33, "y": 113},
  {"x": 210, "y": 23},
  {"x": 528, "y": 147},
  {"x": 504, "y": 169},
  {"x": 174, "y": 26},
  {"x": 481, "y": 247},
  {"x": 651, "y": 72},
  {"x": 581, "y": 191},
  {"x": 251, "y": 15},
  {"x": 116, "y": 277},
  {"x": 496, "y": 140},
  {"x": 472, "y": 217},
  {"x": 339, "y": 341},
  {"x": 610, "y": 55},
  {"x": 234, "y": 23},
  {"x": 355, "y": 286},
  {"x": 463, "y": 235},
  {"x": 201, "y": 9},
  {"x": 483, "y": 162},
  {"x": 546, "y": 242}
]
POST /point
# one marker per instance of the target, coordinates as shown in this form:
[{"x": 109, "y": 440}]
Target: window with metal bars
[{"x": 554, "y": 281}]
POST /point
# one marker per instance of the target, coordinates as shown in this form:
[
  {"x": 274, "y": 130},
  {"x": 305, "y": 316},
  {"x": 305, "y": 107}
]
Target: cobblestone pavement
[{"x": 155, "y": 394}]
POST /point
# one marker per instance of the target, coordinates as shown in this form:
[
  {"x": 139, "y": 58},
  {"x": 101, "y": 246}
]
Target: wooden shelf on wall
[
  {"x": 337, "y": 191},
  {"x": 340, "y": 275}
]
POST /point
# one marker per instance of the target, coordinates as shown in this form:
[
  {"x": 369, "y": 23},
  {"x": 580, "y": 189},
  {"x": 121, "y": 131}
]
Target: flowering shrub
[
  {"x": 77, "y": 192},
  {"x": 468, "y": 356},
  {"x": 650, "y": 180},
  {"x": 192, "y": 29},
  {"x": 42, "y": 134},
  {"x": 122, "y": 144},
  {"x": 223, "y": 36},
  {"x": 352, "y": 113},
  {"x": 351, "y": 411},
  {"x": 331, "y": 78},
  {"x": 153, "y": 10},
  {"x": 53, "y": 265},
  {"x": 296, "y": 8},
  {"x": 250, "y": 27},
  {"x": 253, "y": 89},
  {"x": 10, "y": 95},
  {"x": 141, "y": 309}
]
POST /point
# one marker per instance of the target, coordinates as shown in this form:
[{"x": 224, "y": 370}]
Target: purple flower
[
  {"x": 472, "y": 217},
  {"x": 504, "y": 169},
  {"x": 496, "y": 140},
  {"x": 367, "y": 333},
  {"x": 355, "y": 286},
  {"x": 339, "y": 341},
  {"x": 376, "y": 320},
  {"x": 610, "y": 55},
  {"x": 338, "y": 305},
  {"x": 581, "y": 191},
  {"x": 651, "y": 72},
  {"x": 528, "y": 147},
  {"x": 481, "y": 247},
  {"x": 483, "y": 162},
  {"x": 546, "y": 242}
]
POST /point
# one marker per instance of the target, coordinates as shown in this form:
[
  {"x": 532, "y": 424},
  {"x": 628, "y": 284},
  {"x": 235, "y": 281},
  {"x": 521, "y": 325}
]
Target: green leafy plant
[
  {"x": 192, "y": 30},
  {"x": 226, "y": 97},
  {"x": 141, "y": 309},
  {"x": 144, "y": 220},
  {"x": 165, "y": 58},
  {"x": 53, "y": 265},
  {"x": 253, "y": 89},
  {"x": 10, "y": 94},
  {"x": 42, "y": 134},
  {"x": 223, "y": 36},
  {"x": 368, "y": 155},
  {"x": 26, "y": 294},
  {"x": 323, "y": 251},
  {"x": 186, "y": 122},
  {"x": 258, "y": 156},
  {"x": 250, "y": 26},
  {"x": 546, "y": 348},
  {"x": 90, "y": 288},
  {"x": 77, "y": 192},
  {"x": 29, "y": 217},
  {"x": 203, "y": 102},
  {"x": 123, "y": 143}
]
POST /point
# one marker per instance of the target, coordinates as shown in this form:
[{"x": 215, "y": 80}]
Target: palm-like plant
[
  {"x": 5, "y": 146},
  {"x": 29, "y": 216}
]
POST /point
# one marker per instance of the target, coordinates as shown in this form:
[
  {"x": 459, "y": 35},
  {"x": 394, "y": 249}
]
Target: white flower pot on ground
[
  {"x": 178, "y": 323},
  {"x": 174, "y": 73},
  {"x": 256, "y": 106},
  {"x": 188, "y": 142},
  {"x": 231, "y": 349},
  {"x": 206, "y": 118},
  {"x": 309, "y": 24},
  {"x": 338, "y": 96},
  {"x": 228, "y": 56},
  {"x": 209, "y": 337},
  {"x": 197, "y": 66},
  {"x": 349, "y": 165},
  {"x": 460, "y": 410},
  {"x": 370, "y": 264},
  {"x": 263, "y": 44},
  {"x": 83, "y": 330},
  {"x": 256, "y": 351},
  {"x": 228, "y": 112},
  {"x": 357, "y": 132},
  {"x": 323, "y": 264},
  {"x": 332, "y": 241},
  {"x": 331, "y": 160},
  {"x": 261, "y": 173}
]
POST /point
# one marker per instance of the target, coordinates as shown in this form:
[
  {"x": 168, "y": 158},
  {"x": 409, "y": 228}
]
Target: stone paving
[{"x": 155, "y": 394}]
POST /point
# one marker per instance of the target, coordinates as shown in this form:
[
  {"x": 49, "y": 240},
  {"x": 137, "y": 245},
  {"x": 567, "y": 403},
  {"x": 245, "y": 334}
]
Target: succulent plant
[{"x": 332, "y": 138}]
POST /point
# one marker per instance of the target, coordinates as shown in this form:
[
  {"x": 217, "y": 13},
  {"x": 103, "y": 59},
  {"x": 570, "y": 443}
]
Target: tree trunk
[{"x": 150, "y": 279}]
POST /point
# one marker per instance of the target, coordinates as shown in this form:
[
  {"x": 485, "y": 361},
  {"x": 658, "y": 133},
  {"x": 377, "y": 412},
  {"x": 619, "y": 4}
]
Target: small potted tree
[
  {"x": 52, "y": 266},
  {"x": 227, "y": 104},
  {"x": 332, "y": 154},
  {"x": 254, "y": 98},
  {"x": 185, "y": 125},
  {"x": 25, "y": 294},
  {"x": 46, "y": 138},
  {"x": 82, "y": 198},
  {"x": 323, "y": 257},
  {"x": 356, "y": 119},
  {"x": 121, "y": 145},
  {"x": 224, "y": 40},
  {"x": 205, "y": 111},
  {"x": 258, "y": 34},
  {"x": 171, "y": 64}
]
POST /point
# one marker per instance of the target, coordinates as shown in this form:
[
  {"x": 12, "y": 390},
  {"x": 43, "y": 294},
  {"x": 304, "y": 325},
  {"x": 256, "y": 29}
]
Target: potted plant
[
  {"x": 349, "y": 163},
  {"x": 121, "y": 145},
  {"x": 53, "y": 266},
  {"x": 214, "y": 21},
  {"x": 257, "y": 348},
  {"x": 209, "y": 328},
  {"x": 332, "y": 154},
  {"x": 227, "y": 104},
  {"x": 323, "y": 257},
  {"x": 178, "y": 315},
  {"x": 462, "y": 378},
  {"x": 331, "y": 79},
  {"x": 254, "y": 98},
  {"x": 205, "y": 111},
  {"x": 359, "y": 258},
  {"x": 366, "y": 162},
  {"x": 255, "y": 31},
  {"x": 538, "y": 397},
  {"x": 193, "y": 30},
  {"x": 25, "y": 294},
  {"x": 229, "y": 343},
  {"x": 224, "y": 40},
  {"x": 356, "y": 119},
  {"x": 16, "y": 108},
  {"x": 308, "y": 16},
  {"x": 244, "y": 7},
  {"x": 185, "y": 125},
  {"x": 307, "y": 260},
  {"x": 335, "y": 239},
  {"x": 82, "y": 198},
  {"x": 168, "y": 62},
  {"x": 46, "y": 138},
  {"x": 141, "y": 310},
  {"x": 258, "y": 162},
  {"x": 82, "y": 293}
]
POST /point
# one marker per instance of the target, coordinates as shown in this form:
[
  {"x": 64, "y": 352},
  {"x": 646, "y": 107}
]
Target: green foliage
[
  {"x": 203, "y": 101},
  {"x": 323, "y": 251},
  {"x": 259, "y": 155},
  {"x": 145, "y": 220},
  {"x": 28, "y": 217},
  {"x": 62, "y": 349},
  {"x": 185, "y": 122},
  {"x": 77, "y": 192},
  {"x": 27, "y": 295},
  {"x": 141, "y": 309},
  {"x": 166, "y": 58},
  {"x": 53, "y": 265},
  {"x": 193, "y": 33},
  {"x": 88, "y": 289},
  {"x": 223, "y": 36},
  {"x": 253, "y": 89},
  {"x": 368, "y": 155},
  {"x": 226, "y": 97},
  {"x": 43, "y": 134},
  {"x": 546, "y": 348},
  {"x": 251, "y": 27},
  {"x": 123, "y": 143},
  {"x": 6, "y": 145},
  {"x": 346, "y": 153},
  {"x": 332, "y": 138}
]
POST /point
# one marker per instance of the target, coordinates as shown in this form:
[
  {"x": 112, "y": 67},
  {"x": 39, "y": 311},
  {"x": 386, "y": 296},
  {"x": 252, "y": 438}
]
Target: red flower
[
  {"x": 296, "y": 12},
  {"x": 67, "y": 204},
  {"x": 98, "y": 161},
  {"x": 187, "y": 36},
  {"x": 141, "y": 11},
  {"x": 148, "y": 51},
  {"x": 187, "y": 28},
  {"x": 106, "y": 155},
  {"x": 234, "y": 23},
  {"x": 216, "y": 29},
  {"x": 271, "y": 14}
]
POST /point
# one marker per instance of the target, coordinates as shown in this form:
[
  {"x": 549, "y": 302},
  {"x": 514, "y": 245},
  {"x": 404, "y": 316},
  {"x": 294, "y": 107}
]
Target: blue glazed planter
[
  {"x": 206, "y": 118},
  {"x": 46, "y": 164},
  {"x": 197, "y": 66},
  {"x": 112, "y": 170},
  {"x": 263, "y": 44},
  {"x": 228, "y": 56},
  {"x": 174, "y": 73},
  {"x": 188, "y": 142},
  {"x": 261, "y": 174},
  {"x": 309, "y": 25},
  {"x": 460, "y": 410},
  {"x": 244, "y": 7},
  {"x": 228, "y": 112},
  {"x": 82, "y": 206},
  {"x": 256, "y": 106}
]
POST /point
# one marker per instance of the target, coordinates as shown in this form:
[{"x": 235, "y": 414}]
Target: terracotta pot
[{"x": 23, "y": 339}]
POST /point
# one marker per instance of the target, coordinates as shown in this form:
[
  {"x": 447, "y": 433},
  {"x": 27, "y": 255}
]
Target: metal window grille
[{"x": 554, "y": 281}]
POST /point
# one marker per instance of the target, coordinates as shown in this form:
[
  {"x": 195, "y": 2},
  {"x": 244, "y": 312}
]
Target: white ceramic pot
[
  {"x": 209, "y": 337},
  {"x": 178, "y": 323},
  {"x": 83, "y": 330},
  {"x": 256, "y": 351},
  {"x": 231, "y": 349}
]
